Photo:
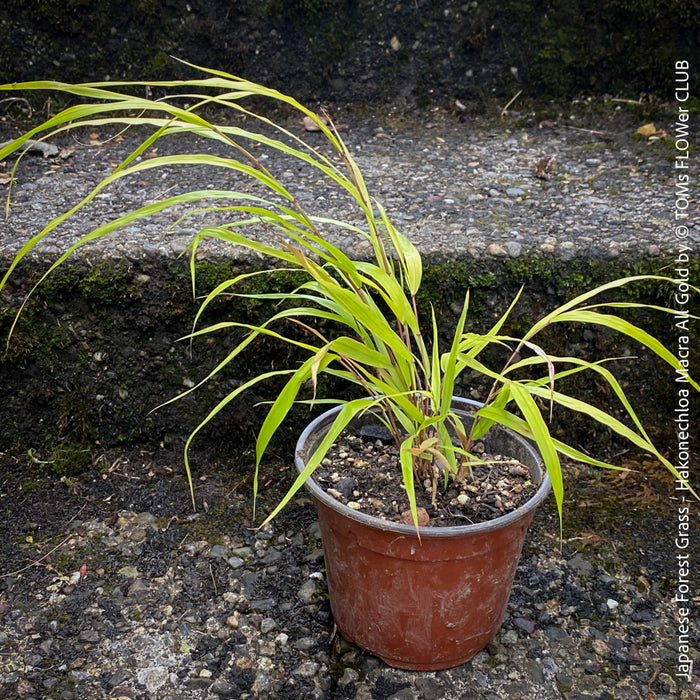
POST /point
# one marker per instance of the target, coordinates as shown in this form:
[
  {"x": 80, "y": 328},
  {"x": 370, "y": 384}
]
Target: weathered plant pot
[{"x": 428, "y": 604}]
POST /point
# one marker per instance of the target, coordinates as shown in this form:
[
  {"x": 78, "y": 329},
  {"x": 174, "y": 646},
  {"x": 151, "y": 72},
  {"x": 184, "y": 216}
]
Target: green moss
[
  {"x": 105, "y": 283},
  {"x": 34, "y": 337},
  {"x": 74, "y": 417},
  {"x": 71, "y": 459},
  {"x": 494, "y": 661}
]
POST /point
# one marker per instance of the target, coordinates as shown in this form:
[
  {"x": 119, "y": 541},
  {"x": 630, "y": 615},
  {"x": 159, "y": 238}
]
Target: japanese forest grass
[{"x": 381, "y": 344}]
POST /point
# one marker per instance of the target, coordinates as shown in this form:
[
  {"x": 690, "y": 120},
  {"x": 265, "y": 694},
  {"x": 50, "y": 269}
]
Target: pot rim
[{"x": 427, "y": 532}]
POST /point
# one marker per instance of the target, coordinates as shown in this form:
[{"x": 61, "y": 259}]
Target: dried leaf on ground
[
  {"x": 646, "y": 130},
  {"x": 586, "y": 538},
  {"x": 545, "y": 166},
  {"x": 651, "y": 133},
  {"x": 65, "y": 153}
]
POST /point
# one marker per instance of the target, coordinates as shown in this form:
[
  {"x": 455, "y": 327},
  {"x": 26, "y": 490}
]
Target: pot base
[{"x": 420, "y": 605}]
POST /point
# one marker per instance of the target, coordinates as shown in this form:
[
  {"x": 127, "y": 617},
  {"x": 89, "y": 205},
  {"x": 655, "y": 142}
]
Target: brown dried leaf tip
[{"x": 545, "y": 166}]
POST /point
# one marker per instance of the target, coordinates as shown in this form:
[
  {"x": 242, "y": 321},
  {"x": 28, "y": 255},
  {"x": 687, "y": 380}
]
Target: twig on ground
[
  {"x": 37, "y": 562},
  {"x": 586, "y": 131},
  {"x": 504, "y": 111},
  {"x": 213, "y": 580}
]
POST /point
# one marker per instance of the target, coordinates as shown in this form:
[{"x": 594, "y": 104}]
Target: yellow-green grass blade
[
  {"x": 406, "y": 460},
  {"x": 125, "y": 102},
  {"x": 282, "y": 404},
  {"x": 359, "y": 352},
  {"x": 216, "y": 410},
  {"x": 476, "y": 343},
  {"x": 598, "y": 415},
  {"x": 478, "y": 366},
  {"x": 367, "y": 313},
  {"x": 222, "y": 289},
  {"x": 517, "y": 424},
  {"x": 434, "y": 378},
  {"x": 255, "y": 331},
  {"x": 630, "y": 330},
  {"x": 172, "y": 125},
  {"x": 446, "y": 448},
  {"x": 188, "y": 159},
  {"x": 349, "y": 411},
  {"x": 494, "y": 330},
  {"x": 481, "y": 425},
  {"x": 345, "y": 318},
  {"x": 409, "y": 257},
  {"x": 392, "y": 293},
  {"x": 448, "y": 361},
  {"x": 638, "y": 305},
  {"x": 470, "y": 345},
  {"x": 543, "y": 439},
  {"x": 287, "y": 212},
  {"x": 583, "y": 365},
  {"x": 230, "y": 82},
  {"x": 577, "y": 301},
  {"x": 620, "y": 428},
  {"x": 99, "y": 232},
  {"x": 510, "y": 420}
]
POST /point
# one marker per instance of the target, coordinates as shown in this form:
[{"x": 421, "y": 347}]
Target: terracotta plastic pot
[{"x": 428, "y": 604}]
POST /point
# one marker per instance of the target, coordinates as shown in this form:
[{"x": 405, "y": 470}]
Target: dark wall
[
  {"x": 362, "y": 50},
  {"x": 96, "y": 350}
]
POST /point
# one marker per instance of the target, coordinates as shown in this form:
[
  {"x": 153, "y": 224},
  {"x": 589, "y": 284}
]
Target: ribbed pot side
[{"x": 423, "y": 604}]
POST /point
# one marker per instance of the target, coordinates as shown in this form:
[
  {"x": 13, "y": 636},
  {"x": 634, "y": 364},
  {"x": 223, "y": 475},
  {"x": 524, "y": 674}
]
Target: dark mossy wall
[
  {"x": 363, "y": 50},
  {"x": 96, "y": 350}
]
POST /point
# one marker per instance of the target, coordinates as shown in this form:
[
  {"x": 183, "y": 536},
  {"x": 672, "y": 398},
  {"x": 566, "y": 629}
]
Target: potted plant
[{"x": 417, "y": 594}]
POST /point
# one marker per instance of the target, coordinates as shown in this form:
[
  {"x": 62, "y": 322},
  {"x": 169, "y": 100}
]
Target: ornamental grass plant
[{"x": 380, "y": 343}]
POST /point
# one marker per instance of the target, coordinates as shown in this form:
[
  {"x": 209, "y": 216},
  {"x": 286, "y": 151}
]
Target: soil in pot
[{"x": 363, "y": 472}]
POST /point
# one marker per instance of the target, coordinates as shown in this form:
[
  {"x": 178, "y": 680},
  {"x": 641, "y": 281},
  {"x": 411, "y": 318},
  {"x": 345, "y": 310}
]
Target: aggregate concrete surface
[{"x": 456, "y": 185}]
